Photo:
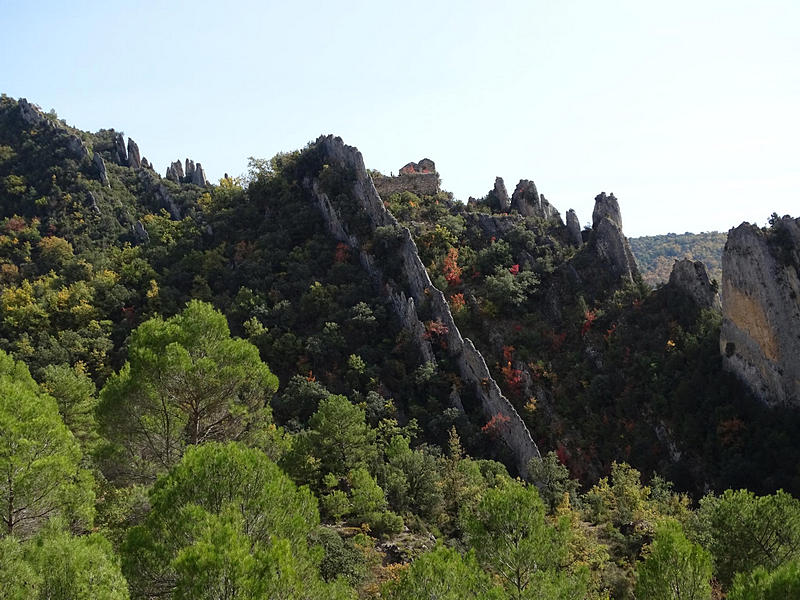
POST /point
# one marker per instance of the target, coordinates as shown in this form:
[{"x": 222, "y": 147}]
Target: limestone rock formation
[
  {"x": 199, "y": 176},
  {"x": 189, "y": 171},
  {"x": 32, "y": 115},
  {"x": 140, "y": 233},
  {"x": 175, "y": 172},
  {"x": 470, "y": 363},
  {"x": 501, "y": 194},
  {"x": 120, "y": 153},
  {"x": 691, "y": 278},
  {"x": 100, "y": 165},
  {"x": 527, "y": 201},
  {"x": 760, "y": 337},
  {"x": 574, "y": 228},
  {"x": 134, "y": 160},
  {"x": 78, "y": 149},
  {"x": 607, "y": 241},
  {"x": 91, "y": 200}
]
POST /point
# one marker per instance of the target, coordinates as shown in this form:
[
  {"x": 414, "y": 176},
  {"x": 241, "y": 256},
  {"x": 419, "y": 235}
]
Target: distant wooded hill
[{"x": 656, "y": 253}]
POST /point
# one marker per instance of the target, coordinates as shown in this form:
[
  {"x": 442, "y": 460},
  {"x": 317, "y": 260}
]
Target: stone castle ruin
[{"x": 419, "y": 178}]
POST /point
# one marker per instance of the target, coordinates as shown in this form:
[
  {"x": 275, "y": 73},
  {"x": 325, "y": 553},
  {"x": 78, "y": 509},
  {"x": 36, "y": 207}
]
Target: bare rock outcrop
[
  {"x": 527, "y": 201},
  {"x": 607, "y": 241},
  {"x": 120, "y": 153},
  {"x": 471, "y": 364},
  {"x": 760, "y": 337},
  {"x": 199, "y": 176},
  {"x": 574, "y": 228},
  {"x": 500, "y": 193},
  {"x": 31, "y": 114},
  {"x": 189, "y": 169},
  {"x": 175, "y": 172},
  {"x": 77, "y": 148},
  {"x": 100, "y": 165},
  {"x": 134, "y": 160},
  {"x": 691, "y": 278}
]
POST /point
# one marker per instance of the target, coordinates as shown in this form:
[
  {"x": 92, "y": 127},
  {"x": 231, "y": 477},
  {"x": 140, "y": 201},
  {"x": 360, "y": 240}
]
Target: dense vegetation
[
  {"x": 656, "y": 253},
  {"x": 224, "y": 408}
]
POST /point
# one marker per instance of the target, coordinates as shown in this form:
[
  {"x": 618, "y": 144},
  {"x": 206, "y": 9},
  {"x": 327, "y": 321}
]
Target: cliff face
[
  {"x": 760, "y": 337},
  {"x": 471, "y": 364}
]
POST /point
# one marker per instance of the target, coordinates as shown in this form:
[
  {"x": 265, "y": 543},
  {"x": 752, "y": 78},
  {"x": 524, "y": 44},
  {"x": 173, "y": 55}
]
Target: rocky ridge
[{"x": 471, "y": 364}]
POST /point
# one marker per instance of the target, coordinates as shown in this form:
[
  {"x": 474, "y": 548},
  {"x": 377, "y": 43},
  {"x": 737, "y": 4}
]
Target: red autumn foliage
[
  {"x": 557, "y": 340},
  {"x": 342, "y": 253},
  {"x": 590, "y": 317},
  {"x": 513, "y": 377},
  {"x": 457, "y": 302},
  {"x": 561, "y": 452},
  {"x": 16, "y": 224},
  {"x": 452, "y": 272},
  {"x": 435, "y": 328},
  {"x": 496, "y": 425},
  {"x": 513, "y": 269},
  {"x": 610, "y": 332}
]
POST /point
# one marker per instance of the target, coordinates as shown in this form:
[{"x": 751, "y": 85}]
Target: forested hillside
[
  {"x": 250, "y": 390},
  {"x": 656, "y": 253}
]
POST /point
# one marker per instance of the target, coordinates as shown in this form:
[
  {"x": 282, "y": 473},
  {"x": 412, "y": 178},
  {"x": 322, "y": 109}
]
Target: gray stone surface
[
  {"x": 189, "y": 170},
  {"x": 140, "y": 233},
  {"x": 760, "y": 336},
  {"x": 77, "y": 148},
  {"x": 574, "y": 228},
  {"x": 608, "y": 243},
  {"x": 691, "y": 277},
  {"x": 91, "y": 200},
  {"x": 199, "y": 176},
  {"x": 471, "y": 364},
  {"x": 134, "y": 159},
  {"x": 100, "y": 165},
  {"x": 527, "y": 201},
  {"x": 175, "y": 172},
  {"x": 121, "y": 154},
  {"x": 32, "y": 115},
  {"x": 501, "y": 193}
]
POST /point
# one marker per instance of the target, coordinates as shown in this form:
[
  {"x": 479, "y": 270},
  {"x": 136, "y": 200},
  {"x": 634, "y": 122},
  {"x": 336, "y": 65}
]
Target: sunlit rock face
[{"x": 760, "y": 337}]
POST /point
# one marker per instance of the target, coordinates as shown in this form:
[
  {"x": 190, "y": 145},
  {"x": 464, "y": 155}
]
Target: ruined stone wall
[
  {"x": 760, "y": 337},
  {"x": 421, "y": 184},
  {"x": 471, "y": 364}
]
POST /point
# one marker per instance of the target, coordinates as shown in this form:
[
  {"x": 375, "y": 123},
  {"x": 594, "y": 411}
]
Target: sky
[{"x": 688, "y": 111}]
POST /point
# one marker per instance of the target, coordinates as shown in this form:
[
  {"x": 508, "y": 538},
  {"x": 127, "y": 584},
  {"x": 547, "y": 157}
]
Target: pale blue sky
[{"x": 686, "y": 110}]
